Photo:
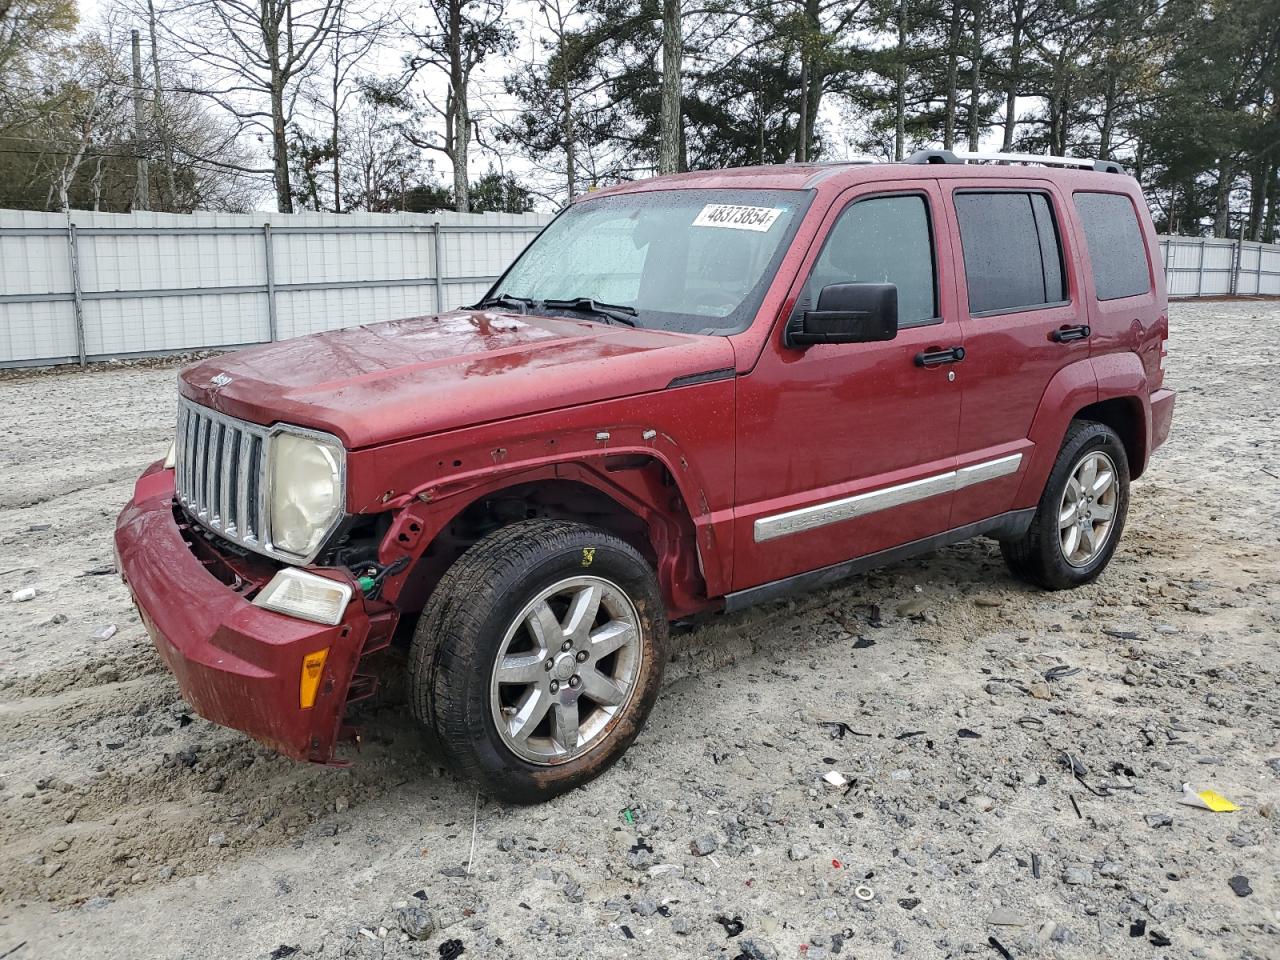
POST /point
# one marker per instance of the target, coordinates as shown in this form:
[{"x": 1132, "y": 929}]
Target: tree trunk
[
  {"x": 570, "y": 164},
  {"x": 1108, "y": 118},
  {"x": 953, "y": 51},
  {"x": 142, "y": 186},
  {"x": 671, "y": 118},
  {"x": 1222, "y": 207},
  {"x": 1011, "y": 86},
  {"x": 1258, "y": 179},
  {"x": 975, "y": 85},
  {"x": 461, "y": 112},
  {"x": 333, "y": 139},
  {"x": 1273, "y": 206},
  {"x": 900, "y": 108},
  {"x": 802, "y": 123},
  {"x": 158, "y": 110}
]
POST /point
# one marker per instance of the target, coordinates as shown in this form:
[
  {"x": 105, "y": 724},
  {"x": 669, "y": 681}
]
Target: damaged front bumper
[{"x": 237, "y": 664}]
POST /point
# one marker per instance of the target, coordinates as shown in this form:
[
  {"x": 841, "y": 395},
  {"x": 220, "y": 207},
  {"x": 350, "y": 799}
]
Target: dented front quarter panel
[{"x": 428, "y": 481}]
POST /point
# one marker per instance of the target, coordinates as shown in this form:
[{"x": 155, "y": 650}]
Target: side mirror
[{"x": 848, "y": 313}]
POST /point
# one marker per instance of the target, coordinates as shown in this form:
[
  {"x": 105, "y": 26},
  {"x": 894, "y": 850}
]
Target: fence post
[
  {"x": 272, "y": 330},
  {"x": 1236, "y": 261},
  {"x": 437, "y": 242},
  {"x": 73, "y": 248},
  {"x": 1200, "y": 271}
]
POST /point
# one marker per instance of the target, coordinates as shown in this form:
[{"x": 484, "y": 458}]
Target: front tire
[
  {"x": 1081, "y": 514},
  {"x": 539, "y": 656}
]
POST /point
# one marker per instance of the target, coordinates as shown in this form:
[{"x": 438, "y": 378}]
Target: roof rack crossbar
[{"x": 965, "y": 156}]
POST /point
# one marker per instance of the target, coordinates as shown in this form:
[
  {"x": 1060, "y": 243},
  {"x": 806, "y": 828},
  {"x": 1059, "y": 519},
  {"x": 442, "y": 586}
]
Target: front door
[
  {"x": 1024, "y": 320},
  {"x": 848, "y": 449}
]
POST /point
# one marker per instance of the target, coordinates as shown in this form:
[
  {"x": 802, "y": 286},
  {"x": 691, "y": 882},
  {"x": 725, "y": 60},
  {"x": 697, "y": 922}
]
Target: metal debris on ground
[
  {"x": 1000, "y": 948},
  {"x": 451, "y": 949},
  {"x": 864, "y": 892}
]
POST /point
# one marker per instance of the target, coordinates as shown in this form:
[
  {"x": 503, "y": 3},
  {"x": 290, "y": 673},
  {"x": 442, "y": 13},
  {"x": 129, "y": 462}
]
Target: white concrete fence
[{"x": 103, "y": 286}]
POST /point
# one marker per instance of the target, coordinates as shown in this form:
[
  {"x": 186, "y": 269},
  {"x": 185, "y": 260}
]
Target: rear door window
[
  {"x": 1012, "y": 251},
  {"x": 882, "y": 240},
  {"x": 1116, "y": 250}
]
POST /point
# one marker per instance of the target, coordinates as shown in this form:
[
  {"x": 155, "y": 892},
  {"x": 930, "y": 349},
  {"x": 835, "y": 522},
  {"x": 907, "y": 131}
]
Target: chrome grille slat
[
  {"x": 219, "y": 473},
  {"x": 224, "y": 482}
]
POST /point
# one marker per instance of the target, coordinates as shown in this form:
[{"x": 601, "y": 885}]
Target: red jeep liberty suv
[{"x": 687, "y": 394}]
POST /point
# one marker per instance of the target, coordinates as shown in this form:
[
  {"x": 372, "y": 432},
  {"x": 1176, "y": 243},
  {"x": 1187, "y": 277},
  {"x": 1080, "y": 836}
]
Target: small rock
[
  {"x": 1240, "y": 886},
  {"x": 1040, "y": 690},
  {"x": 981, "y": 802},
  {"x": 51, "y": 868},
  {"x": 1110, "y": 869},
  {"x": 704, "y": 845},
  {"x": 757, "y": 950},
  {"x": 416, "y": 922},
  {"x": 1004, "y": 917},
  {"x": 644, "y": 907},
  {"x": 572, "y": 891},
  {"x": 900, "y": 775},
  {"x": 1155, "y": 820},
  {"x": 1077, "y": 875},
  {"x": 913, "y": 607},
  {"x": 218, "y": 840},
  {"x": 507, "y": 844},
  {"x": 988, "y": 602},
  {"x": 681, "y": 926},
  {"x": 106, "y": 674},
  {"x": 341, "y": 804},
  {"x": 797, "y": 852}
]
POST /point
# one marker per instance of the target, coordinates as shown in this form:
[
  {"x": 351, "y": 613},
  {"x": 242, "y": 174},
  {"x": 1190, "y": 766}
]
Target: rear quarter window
[
  {"x": 1012, "y": 252},
  {"x": 1116, "y": 250}
]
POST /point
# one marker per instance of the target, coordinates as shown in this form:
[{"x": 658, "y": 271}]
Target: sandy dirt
[{"x": 130, "y": 828}]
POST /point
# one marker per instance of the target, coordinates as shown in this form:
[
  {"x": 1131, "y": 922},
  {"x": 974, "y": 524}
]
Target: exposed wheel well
[
  {"x": 1124, "y": 416},
  {"x": 548, "y": 499}
]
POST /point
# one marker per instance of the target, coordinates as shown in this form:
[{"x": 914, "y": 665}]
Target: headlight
[{"x": 307, "y": 478}]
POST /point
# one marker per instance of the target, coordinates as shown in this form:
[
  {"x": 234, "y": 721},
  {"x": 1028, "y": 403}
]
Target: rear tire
[
  {"x": 539, "y": 656},
  {"x": 1080, "y": 518}
]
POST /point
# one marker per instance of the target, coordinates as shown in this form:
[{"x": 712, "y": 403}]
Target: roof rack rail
[{"x": 965, "y": 156}]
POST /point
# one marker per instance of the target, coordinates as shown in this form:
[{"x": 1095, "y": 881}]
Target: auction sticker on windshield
[{"x": 735, "y": 217}]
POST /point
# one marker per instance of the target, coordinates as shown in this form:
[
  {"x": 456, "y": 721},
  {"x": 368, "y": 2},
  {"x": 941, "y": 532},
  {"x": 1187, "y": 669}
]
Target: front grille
[{"x": 221, "y": 474}]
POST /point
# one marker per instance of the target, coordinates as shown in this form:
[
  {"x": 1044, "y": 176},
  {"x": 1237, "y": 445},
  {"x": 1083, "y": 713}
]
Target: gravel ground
[{"x": 130, "y": 828}]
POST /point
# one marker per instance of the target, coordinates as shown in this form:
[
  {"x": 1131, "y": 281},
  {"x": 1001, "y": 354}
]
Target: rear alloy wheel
[
  {"x": 1087, "y": 512},
  {"x": 1081, "y": 514},
  {"x": 539, "y": 657}
]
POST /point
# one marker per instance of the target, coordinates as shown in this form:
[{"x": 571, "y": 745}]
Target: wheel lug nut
[
  {"x": 547, "y": 664},
  {"x": 567, "y": 645},
  {"x": 582, "y": 656},
  {"x": 555, "y": 685},
  {"x": 574, "y": 681}
]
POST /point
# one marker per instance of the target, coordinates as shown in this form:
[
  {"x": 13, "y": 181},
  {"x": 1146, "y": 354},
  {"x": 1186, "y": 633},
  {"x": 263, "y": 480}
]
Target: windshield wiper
[
  {"x": 612, "y": 312},
  {"x": 506, "y": 300}
]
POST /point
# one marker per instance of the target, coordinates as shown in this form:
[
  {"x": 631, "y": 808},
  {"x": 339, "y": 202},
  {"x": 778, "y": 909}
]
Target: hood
[{"x": 406, "y": 378}]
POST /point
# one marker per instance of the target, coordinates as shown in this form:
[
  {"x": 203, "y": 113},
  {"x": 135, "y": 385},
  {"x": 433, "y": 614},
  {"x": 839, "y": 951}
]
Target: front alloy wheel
[
  {"x": 539, "y": 656},
  {"x": 567, "y": 665}
]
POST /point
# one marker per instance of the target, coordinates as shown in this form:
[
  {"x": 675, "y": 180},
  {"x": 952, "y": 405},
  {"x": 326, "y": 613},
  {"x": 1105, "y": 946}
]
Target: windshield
[{"x": 695, "y": 261}]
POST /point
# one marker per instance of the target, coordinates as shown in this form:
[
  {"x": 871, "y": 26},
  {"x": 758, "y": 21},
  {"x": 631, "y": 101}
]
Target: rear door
[
  {"x": 848, "y": 449},
  {"x": 1024, "y": 319}
]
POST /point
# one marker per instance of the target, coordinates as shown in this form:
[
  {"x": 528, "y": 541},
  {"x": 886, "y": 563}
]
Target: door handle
[
  {"x": 1067, "y": 334},
  {"x": 934, "y": 356}
]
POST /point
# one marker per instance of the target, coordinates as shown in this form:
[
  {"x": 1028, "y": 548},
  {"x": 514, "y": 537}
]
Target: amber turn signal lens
[{"x": 312, "y": 671}]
